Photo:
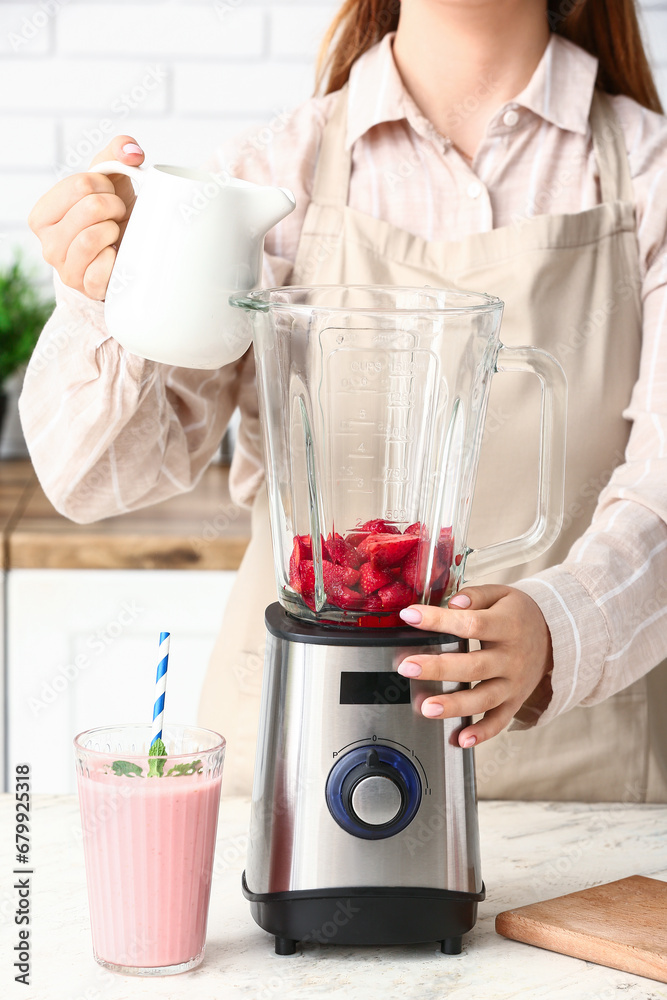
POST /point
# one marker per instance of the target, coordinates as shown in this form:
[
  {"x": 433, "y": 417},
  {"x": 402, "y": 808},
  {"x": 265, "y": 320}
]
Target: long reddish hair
[{"x": 608, "y": 29}]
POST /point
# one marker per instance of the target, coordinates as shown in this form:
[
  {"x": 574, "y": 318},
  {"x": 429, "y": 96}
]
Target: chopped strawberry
[
  {"x": 339, "y": 551},
  {"x": 396, "y": 595},
  {"x": 307, "y": 578},
  {"x": 373, "y": 603},
  {"x": 445, "y": 546},
  {"x": 301, "y": 549},
  {"x": 414, "y": 529},
  {"x": 437, "y": 595},
  {"x": 389, "y": 550},
  {"x": 378, "y": 526},
  {"x": 336, "y": 575},
  {"x": 375, "y": 527},
  {"x": 372, "y": 579},
  {"x": 344, "y": 597},
  {"x": 410, "y": 566}
]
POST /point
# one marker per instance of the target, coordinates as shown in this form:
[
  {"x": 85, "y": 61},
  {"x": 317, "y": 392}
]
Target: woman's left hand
[{"x": 516, "y": 654}]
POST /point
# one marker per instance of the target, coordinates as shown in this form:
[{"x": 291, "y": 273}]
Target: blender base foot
[
  {"x": 451, "y": 946},
  {"x": 287, "y": 946}
]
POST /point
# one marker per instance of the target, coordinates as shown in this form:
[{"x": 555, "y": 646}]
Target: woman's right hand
[{"x": 80, "y": 221}]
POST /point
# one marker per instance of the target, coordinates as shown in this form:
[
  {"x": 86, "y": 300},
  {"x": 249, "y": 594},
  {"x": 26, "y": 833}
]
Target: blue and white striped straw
[{"x": 160, "y": 687}]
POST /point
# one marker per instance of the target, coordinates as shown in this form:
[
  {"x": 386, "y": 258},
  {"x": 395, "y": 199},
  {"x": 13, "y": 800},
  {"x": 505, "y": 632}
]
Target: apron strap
[
  {"x": 610, "y": 152},
  {"x": 332, "y": 173}
]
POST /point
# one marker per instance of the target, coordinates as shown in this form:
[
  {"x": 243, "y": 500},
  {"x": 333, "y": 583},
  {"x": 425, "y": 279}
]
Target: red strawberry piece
[
  {"x": 445, "y": 546},
  {"x": 373, "y": 603},
  {"x": 388, "y": 550},
  {"x": 362, "y": 548},
  {"x": 309, "y": 600},
  {"x": 375, "y": 527},
  {"x": 301, "y": 550},
  {"x": 344, "y": 597},
  {"x": 410, "y": 566},
  {"x": 372, "y": 579},
  {"x": 294, "y": 578},
  {"x": 378, "y": 526},
  {"x": 396, "y": 595},
  {"x": 437, "y": 596},
  {"x": 336, "y": 575},
  {"x": 304, "y": 546},
  {"x": 395, "y": 570},
  {"x": 307, "y": 576},
  {"x": 414, "y": 529},
  {"x": 341, "y": 552}
]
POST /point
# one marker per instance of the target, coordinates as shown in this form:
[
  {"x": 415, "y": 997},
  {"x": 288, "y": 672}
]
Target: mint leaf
[
  {"x": 126, "y": 767},
  {"x": 190, "y": 768},
  {"x": 156, "y": 767}
]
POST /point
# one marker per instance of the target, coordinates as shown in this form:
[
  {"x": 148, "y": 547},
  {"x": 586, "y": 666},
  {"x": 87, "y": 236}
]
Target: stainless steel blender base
[
  {"x": 358, "y": 800},
  {"x": 365, "y": 916}
]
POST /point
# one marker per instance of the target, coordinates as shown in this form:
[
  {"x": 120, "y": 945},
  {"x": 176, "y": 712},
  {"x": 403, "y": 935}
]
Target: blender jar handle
[{"x": 551, "y": 478}]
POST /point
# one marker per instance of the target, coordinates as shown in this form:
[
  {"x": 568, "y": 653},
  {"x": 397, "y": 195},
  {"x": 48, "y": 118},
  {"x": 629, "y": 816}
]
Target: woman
[{"x": 461, "y": 143}]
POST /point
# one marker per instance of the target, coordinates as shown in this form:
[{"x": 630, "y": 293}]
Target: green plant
[{"x": 22, "y": 315}]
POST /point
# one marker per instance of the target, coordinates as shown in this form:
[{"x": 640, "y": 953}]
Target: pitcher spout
[{"x": 270, "y": 205}]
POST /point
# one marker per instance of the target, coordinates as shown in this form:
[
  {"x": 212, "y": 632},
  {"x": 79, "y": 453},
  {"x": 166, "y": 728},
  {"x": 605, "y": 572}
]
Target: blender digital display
[{"x": 373, "y": 688}]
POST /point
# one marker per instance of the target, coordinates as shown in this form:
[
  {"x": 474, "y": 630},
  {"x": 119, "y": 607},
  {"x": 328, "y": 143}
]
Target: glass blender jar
[{"x": 373, "y": 402}]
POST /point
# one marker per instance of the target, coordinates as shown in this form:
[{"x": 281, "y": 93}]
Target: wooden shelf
[{"x": 202, "y": 529}]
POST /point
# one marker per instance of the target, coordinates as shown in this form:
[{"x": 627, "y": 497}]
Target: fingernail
[
  {"x": 410, "y": 669},
  {"x": 132, "y": 149},
  {"x": 411, "y": 616},
  {"x": 469, "y": 741},
  {"x": 431, "y": 709},
  {"x": 460, "y": 601}
]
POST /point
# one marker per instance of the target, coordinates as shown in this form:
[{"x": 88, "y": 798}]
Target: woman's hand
[
  {"x": 516, "y": 654},
  {"x": 81, "y": 220}
]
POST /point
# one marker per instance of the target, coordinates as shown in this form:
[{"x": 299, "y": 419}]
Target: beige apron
[{"x": 571, "y": 285}]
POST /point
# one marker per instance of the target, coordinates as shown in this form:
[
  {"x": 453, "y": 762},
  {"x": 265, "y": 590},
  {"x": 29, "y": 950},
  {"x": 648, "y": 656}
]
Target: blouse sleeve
[{"x": 606, "y": 604}]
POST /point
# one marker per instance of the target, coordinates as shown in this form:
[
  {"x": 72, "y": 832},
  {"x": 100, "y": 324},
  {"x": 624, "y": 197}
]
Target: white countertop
[{"x": 530, "y": 851}]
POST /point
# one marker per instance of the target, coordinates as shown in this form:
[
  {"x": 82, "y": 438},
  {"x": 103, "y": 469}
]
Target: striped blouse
[{"x": 110, "y": 432}]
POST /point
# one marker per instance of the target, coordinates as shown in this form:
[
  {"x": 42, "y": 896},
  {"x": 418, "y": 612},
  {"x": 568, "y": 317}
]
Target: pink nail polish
[
  {"x": 469, "y": 742},
  {"x": 411, "y": 616},
  {"x": 132, "y": 149},
  {"x": 460, "y": 601},
  {"x": 409, "y": 669},
  {"x": 432, "y": 709}
]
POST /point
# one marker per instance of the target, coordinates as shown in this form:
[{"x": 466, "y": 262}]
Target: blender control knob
[
  {"x": 373, "y": 792},
  {"x": 376, "y": 800}
]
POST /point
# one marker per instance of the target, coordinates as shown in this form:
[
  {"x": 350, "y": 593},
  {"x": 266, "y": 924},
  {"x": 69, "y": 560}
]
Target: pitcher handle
[
  {"x": 551, "y": 478},
  {"x": 136, "y": 174}
]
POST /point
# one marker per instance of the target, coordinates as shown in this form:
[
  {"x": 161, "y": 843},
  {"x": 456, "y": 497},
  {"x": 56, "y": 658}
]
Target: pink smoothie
[{"x": 149, "y": 846}]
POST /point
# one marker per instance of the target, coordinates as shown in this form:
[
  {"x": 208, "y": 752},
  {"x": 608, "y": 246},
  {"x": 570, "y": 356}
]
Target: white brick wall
[{"x": 181, "y": 75}]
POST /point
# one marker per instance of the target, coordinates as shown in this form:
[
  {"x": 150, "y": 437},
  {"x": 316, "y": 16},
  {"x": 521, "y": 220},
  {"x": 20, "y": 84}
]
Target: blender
[{"x": 372, "y": 401}]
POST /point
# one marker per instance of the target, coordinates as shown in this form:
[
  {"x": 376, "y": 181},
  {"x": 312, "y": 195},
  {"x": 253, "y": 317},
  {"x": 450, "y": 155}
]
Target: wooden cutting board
[{"x": 621, "y": 924}]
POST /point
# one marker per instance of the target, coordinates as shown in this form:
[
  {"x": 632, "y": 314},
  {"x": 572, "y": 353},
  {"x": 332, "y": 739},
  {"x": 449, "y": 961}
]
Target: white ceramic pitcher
[{"x": 193, "y": 239}]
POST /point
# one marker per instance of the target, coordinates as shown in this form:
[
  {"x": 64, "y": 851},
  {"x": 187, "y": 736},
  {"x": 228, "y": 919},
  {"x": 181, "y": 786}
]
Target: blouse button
[
  {"x": 510, "y": 118},
  {"x": 474, "y": 189}
]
